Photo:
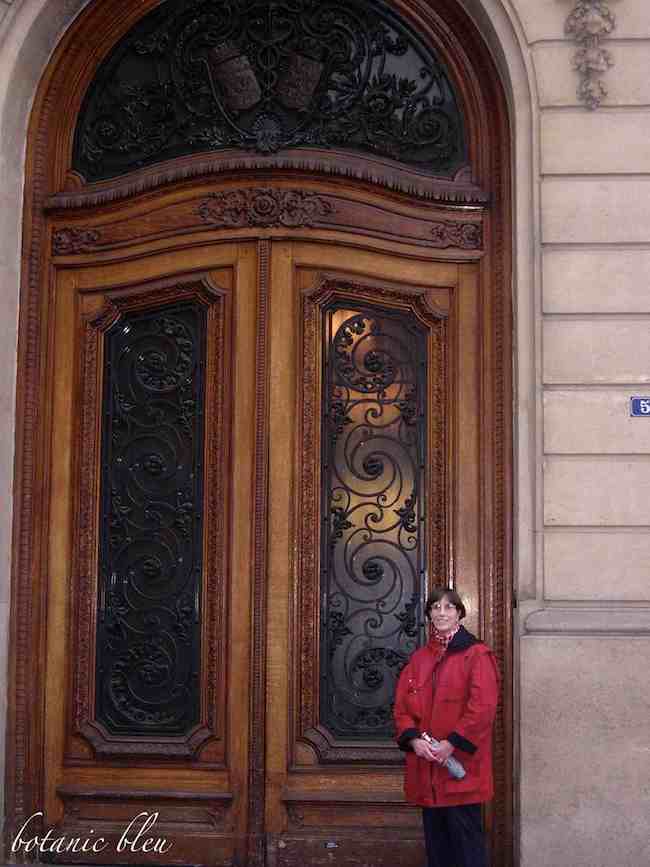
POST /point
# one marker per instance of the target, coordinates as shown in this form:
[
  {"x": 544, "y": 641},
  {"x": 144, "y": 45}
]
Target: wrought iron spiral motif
[
  {"x": 373, "y": 544},
  {"x": 148, "y": 640},
  {"x": 205, "y": 75}
]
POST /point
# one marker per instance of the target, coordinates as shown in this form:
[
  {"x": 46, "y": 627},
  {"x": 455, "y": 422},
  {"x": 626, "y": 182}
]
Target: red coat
[{"x": 451, "y": 695}]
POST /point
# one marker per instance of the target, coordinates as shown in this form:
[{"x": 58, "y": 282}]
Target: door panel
[
  {"x": 123, "y": 490},
  {"x": 332, "y": 798}
]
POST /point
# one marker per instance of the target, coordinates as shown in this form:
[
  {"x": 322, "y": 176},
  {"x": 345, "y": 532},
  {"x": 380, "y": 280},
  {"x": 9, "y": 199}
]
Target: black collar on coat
[{"x": 461, "y": 641}]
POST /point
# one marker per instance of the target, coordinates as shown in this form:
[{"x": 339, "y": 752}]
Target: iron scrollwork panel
[
  {"x": 151, "y": 524},
  {"x": 373, "y": 538},
  {"x": 263, "y": 75}
]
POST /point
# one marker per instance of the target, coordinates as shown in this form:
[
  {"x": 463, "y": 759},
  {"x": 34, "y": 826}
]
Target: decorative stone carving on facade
[
  {"x": 467, "y": 236},
  {"x": 69, "y": 241},
  {"x": 265, "y": 207},
  {"x": 589, "y": 23}
]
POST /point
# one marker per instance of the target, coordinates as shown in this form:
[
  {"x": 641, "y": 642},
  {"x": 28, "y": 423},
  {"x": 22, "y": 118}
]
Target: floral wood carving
[
  {"x": 589, "y": 23},
  {"x": 265, "y": 207},
  {"x": 467, "y": 236},
  {"x": 69, "y": 241}
]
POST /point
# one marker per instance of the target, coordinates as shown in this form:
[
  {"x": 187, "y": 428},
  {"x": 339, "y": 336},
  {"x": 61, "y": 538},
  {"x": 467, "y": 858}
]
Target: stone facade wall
[
  {"x": 585, "y": 636},
  {"x": 4, "y": 7},
  {"x": 582, "y": 517}
]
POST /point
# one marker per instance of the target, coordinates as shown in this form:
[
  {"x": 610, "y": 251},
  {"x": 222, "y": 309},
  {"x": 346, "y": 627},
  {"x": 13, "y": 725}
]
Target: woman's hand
[
  {"x": 442, "y": 752},
  {"x": 424, "y": 750}
]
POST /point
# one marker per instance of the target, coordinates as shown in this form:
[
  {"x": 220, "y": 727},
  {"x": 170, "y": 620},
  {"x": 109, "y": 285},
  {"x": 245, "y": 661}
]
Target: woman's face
[{"x": 444, "y": 616}]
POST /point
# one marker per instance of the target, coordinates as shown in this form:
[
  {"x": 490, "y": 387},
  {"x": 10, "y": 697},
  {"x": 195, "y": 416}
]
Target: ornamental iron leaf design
[
  {"x": 148, "y": 639},
  {"x": 373, "y": 541},
  {"x": 263, "y": 75},
  {"x": 589, "y": 23},
  {"x": 265, "y": 207}
]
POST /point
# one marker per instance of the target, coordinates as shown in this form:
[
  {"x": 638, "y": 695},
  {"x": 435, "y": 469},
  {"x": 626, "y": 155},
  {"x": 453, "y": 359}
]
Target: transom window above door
[{"x": 212, "y": 75}]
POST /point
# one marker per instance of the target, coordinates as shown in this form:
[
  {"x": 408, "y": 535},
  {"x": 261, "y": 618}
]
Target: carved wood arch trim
[{"x": 96, "y": 31}]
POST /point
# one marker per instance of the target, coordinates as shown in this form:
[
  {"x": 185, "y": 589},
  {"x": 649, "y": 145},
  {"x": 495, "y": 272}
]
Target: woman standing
[{"x": 449, "y": 690}]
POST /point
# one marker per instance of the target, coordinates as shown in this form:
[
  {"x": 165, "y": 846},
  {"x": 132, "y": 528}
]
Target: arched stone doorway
[{"x": 109, "y": 249}]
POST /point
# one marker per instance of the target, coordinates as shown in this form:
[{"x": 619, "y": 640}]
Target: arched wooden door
[{"x": 265, "y": 408}]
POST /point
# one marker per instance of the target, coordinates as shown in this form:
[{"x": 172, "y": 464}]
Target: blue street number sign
[{"x": 640, "y": 407}]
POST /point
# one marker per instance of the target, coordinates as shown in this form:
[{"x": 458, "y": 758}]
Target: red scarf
[{"x": 443, "y": 639}]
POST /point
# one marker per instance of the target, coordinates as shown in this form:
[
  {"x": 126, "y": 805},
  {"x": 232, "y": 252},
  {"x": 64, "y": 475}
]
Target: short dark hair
[{"x": 437, "y": 594}]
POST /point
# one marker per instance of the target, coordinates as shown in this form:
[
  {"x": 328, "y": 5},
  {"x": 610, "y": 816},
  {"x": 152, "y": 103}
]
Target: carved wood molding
[
  {"x": 308, "y": 519},
  {"x": 181, "y": 815},
  {"x": 119, "y": 793},
  {"x": 265, "y": 207},
  {"x": 465, "y": 236},
  {"x": 333, "y": 752},
  {"x": 204, "y": 812},
  {"x": 313, "y": 811},
  {"x": 86, "y": 534},
  {"x": 281, "y": 209},
  {"x": 71, "y": 240},
  {"x": 462, "y": 190},
  {"x": 257, "y": 707},
  {"x": 589, "y": 23},
  {"x": 497, "y": 451}
]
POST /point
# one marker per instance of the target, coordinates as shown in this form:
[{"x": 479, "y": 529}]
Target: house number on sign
[{"x": 640, "y": 407}]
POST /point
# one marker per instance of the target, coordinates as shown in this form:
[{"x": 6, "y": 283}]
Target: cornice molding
[
  {"x": 589, "y": 23},
  {"x": 588, "y": 621},
  {"x": 383, "y": 173}
]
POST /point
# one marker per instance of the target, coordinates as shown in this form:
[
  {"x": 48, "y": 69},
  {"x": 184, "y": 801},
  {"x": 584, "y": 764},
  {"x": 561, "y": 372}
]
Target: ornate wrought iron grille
[
  {"x": 373, "y": 541},
  {"x": 261, "y": 75},
  {"x": 148, "y": 638}
]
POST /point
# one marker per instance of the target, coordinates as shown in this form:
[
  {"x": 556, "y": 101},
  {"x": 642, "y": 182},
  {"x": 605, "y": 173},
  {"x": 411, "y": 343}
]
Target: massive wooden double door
[
  {"x": 228, "y": 334},
  {"x": 231, "y": 335}
]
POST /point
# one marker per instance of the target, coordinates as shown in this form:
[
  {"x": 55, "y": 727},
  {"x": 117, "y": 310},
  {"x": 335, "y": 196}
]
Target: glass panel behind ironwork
[
  {"x": 148, "y": 639},
  {"x": 262, "y": 75},
  {"x": 373, "y": 541}
]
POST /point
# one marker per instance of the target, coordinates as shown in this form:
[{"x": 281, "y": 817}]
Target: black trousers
[{"x": 454, "y": 836}]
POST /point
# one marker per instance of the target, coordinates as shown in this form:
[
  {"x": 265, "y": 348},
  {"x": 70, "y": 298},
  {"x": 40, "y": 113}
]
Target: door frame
[{"x": 51, "y": 192}]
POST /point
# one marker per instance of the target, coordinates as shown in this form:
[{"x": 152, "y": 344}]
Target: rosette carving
[
  {"x": 590, "y": 22},
  {"x": 69, "y": 241},
  {"x": 467, "y": 236},
  {"x": 265, "y": 208}
]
